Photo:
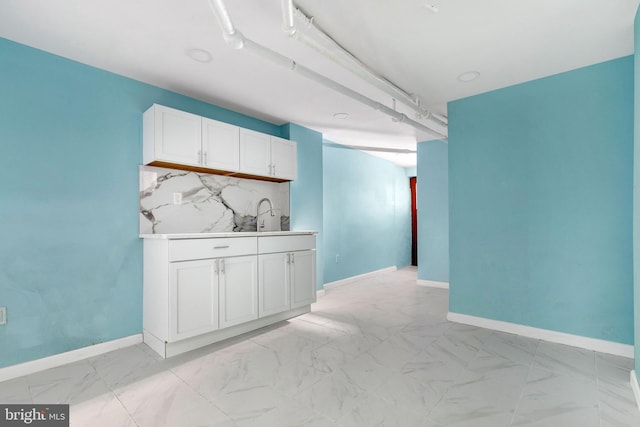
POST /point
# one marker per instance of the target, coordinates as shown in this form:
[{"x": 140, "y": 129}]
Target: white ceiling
[{"x": 506, "y": 41}]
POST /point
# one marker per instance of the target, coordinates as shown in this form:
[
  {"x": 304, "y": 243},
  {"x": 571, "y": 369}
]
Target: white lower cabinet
[
  {"x": 303, "y": 278},
  {"x": 287, "y": 280},
  {"x": 238, "y": 290},
  {"x": 273, "y": 274},
  {"x": 201, "y": 290},
  {"x": 193, "y": 288}
]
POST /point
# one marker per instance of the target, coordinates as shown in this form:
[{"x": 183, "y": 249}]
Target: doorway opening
[{"x": 414, "y": 221}]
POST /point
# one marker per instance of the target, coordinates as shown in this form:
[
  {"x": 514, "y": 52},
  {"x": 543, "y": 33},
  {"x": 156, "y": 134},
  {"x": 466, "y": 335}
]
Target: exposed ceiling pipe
[
  {"x": 331, "y": 84},
  {"x": 233, "y": 37},
  {"x": 288, "y": 21},
  {"x": 368, "y": 148},
  {"x": 237, "y": 40},
  {"x": 384, "y": 150},
  {"x": 349, "y": 61}
]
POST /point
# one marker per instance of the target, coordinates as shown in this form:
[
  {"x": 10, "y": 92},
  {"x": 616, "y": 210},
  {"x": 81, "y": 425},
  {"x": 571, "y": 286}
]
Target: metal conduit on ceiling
[
  {"x": 348, "y": 61},
  {"x": 237, "y": 40}
]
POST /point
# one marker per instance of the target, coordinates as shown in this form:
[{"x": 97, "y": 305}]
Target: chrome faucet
[{"x": 260, "y": 225}]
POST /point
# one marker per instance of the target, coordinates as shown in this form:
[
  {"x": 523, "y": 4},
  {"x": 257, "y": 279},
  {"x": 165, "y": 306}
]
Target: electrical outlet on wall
[
  {"x": 177, "y": 198},
  {"x": 337, "y": 258},
  {"x": 3, "y": 315}
]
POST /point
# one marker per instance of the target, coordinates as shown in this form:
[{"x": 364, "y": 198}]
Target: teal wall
[
  {"x": 306, "y": 190},
  {"x": 70, "y": 256},
  {"x": 367, "y": 213},
  {"x": 540, "y": 179},
  {"x": 401, "y": 237},
  {"x": 433, "y": 211},
  {"x": 636, "y": 194}
]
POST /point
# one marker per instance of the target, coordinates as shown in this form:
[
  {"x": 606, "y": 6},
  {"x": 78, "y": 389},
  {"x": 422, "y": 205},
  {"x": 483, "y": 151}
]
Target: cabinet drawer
[
  {"x": 190, "y": 249},
  {"x": 271, "y": 244}
]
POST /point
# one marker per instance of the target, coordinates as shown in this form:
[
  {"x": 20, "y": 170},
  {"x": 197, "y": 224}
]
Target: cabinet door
[
  {"x": 303, "y": 278},
  {"x": 283, "y": 158},
  {"x": 193, "y": 298},
  {"x": 220, "y": 145},
  {"x": 238, "y": 290},
  {"x": 273, "y": 283},
  {"x": 255, "y": 153},
  {"x": 178, "y": 136}
]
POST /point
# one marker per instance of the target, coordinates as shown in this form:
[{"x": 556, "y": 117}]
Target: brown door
[{"x": 414, "y": 222}]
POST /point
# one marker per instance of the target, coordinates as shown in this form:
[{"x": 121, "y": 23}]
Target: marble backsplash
[{"x": 209, "y": 203}]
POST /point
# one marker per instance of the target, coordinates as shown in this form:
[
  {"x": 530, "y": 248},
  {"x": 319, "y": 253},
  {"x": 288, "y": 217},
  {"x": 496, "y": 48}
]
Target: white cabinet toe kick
[{"x": 201, "y": 291}]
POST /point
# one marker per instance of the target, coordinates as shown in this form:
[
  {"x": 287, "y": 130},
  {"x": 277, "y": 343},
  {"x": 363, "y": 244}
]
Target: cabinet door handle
[
  {"x": 221, "y": 247},
  {"x": 215, "y": 266},
  {"x": 293, "y": 258},
  {"x": 200, "y": 156},
  {"x": 274, "y": 170},
  {"x": 289, "y": 258},
  {"x": 205, "y": 158},
  {"x": 222, "y": 266}
]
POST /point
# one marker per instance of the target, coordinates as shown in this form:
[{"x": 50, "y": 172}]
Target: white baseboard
[
  {"x": 359, "y": 277},
  {"x": 60, "y": 359},
  {"x": 635, "y": 387},
  {"x": 320, "y": 293},
  {"x": 174, "y": 348},
  {"x": 433, "y": 284},
  {"x": 602, "y": 346}
]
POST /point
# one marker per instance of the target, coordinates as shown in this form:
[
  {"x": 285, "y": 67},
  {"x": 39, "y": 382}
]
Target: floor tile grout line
[
  {"x": 112, "y": 390},
  {"x": 329, "y": 358},
  {"x": 203, "y": 396},
  {"x": 29, "y": 389},
  {"x": 595, "y": 362},
  {"x": 515, "y": 410},
  {"x": 125, "y": 408}
]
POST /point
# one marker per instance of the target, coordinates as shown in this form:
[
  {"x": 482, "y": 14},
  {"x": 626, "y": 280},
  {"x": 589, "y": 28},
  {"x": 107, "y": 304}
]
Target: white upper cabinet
[
  {"x": 185, "y": 139},
  {"x": 171, "y": 136},
  {"x": 266, "y": 155},
  {"x": 283, "y": 158},
  {"x": 220, "y": 145},
  {"x": 181, "y": 138},
  {"x": 255, "y": 153}
]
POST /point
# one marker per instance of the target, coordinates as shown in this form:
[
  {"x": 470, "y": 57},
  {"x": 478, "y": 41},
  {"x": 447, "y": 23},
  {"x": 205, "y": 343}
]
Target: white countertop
[{"x": 226, "y": 234}]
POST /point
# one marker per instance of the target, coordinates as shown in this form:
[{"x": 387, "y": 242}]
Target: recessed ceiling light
[
  {"x": 432, "y": 7},
  {"x": 468, "y": 76},
  {"x": 341, "y": 116},
  {"x": 199, "y": 55}
]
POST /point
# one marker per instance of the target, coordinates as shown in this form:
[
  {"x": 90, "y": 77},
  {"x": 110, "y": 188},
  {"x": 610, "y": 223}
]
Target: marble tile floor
[{"x": 378, "y": 352}]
